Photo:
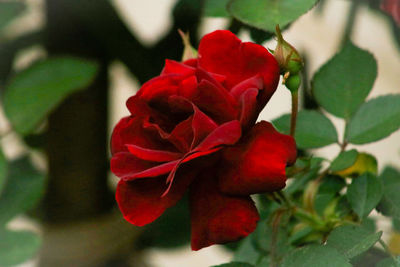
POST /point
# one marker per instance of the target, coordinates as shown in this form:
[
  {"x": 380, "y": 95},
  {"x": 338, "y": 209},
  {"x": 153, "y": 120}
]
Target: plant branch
[{"x": 295, "y": 108}]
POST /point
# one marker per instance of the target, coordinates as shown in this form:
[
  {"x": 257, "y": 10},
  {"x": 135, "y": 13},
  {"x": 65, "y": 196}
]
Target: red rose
[
  {"x": 392, "y": 7},
  {"x": 193, "y": 128}
]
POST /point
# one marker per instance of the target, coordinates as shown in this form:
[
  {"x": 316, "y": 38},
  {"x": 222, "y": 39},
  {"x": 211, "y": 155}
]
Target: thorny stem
[{"x": 295, "y": 107}]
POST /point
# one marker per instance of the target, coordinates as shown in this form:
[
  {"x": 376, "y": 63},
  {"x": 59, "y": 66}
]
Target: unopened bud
[
  {"x": 293, "y": 82},
  {"x": 288, "y": 58}
]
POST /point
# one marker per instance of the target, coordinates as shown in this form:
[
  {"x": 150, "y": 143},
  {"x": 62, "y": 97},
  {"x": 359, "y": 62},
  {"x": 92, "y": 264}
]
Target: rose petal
[
  {"x": 226, "y": 134},
  {"x": 153, "y": 155},
  {"x": 249, "y": 113},
  {"x": 160, "y": 88},
  {"x": 217, "y": 218},
  {"x": 128, "y": 167},
  {"x": 223, "y": 53},
  {"x": 257, "y": 164},
  {"x": 129, "y": 130},
  {"x": 174, "y": 67},
  {"x": 140, "y": 200},
  {"x": 216, "y": 101},
  {"x": 253, "y": 82},
  {"x": 182, "y": 135},
  {"x": 202, "y": 126}
]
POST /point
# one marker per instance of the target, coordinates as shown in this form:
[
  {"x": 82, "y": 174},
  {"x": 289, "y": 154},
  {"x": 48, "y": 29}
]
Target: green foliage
[
  {"x": 343, "y": 83},
  {"x": 327, "y": 192},
  {"x": 34, "y": 92},
  {"x": 9, "y": 10},
  {"x": 364, "y": 194},
  {"x": 3, "y": 170},
  {"x": 375, "y": 120},
  {"x": 389, "y": 262},
  {"x": 315, "y": 255},
  {"x": 234, "y": 264},
  {"x": 352, "y": 240},
  {"x": 390, "y": 204},
  {"x": 247, "y": 252},
  {"x": 266, "y": 14},
  {"x": 23, "y": 189},
  {"x": 215, "y": 8},
  {"x": 17, "y": 246},
  {"x": 344, "y": 160},
  {"x": 313, "y": 129}
]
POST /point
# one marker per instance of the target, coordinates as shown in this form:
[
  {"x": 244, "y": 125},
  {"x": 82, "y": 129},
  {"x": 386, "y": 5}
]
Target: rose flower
[{"x": 193, "y": 129}]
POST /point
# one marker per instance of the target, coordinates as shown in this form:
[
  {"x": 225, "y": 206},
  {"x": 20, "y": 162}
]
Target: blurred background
[{"x": 87, "y": 57}]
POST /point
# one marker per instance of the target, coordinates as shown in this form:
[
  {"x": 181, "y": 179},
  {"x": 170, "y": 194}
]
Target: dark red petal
[
  {"x": 129, "y": 130},
  {"x": 160, "y": 88},
  {"x": 140, "y": 200},
  {"x": 248, "y": 103},
  {"x": 124, "y": 164},
  {"x": 216, "y": 101},
  {"x": 174, "y": 67},
  {"x": 257, "y": 164},
  {"x": 182, "y": 135},
  {"x": 191, "y": 62},
  {"x": 153, "y": 155},
  {"x": 202, "y": 126},
  {"x": 226, "y": 134},
  {"x": 188, "y": 87},
  {"x": 217, "y": 218},
  {"x": 223, "y": 53},
  {"x": 188, "y": 158},
  {"x": 253, "y": 82},
  {"x": 128, "y": 167}
]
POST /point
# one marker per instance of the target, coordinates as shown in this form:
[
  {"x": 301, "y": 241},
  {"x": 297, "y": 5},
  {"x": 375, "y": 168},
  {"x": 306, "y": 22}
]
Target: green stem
[
  {"x": 351, "y": 17},
  {"x": 295, "y": 108}
]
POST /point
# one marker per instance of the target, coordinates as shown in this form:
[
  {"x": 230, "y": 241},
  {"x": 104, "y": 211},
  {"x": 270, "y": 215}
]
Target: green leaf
[
  {"x": 17, "y": 247},
  {"x": 390, "y": 204},
  {"x": 389, "y": 262},
  {"x": 10, "y": 10},
  {"x": 375, "y": 120},
  {"x": 327, "y": 191},
  {"x": 315, "y": 256},
  {"x": 266, "y": 14},
  {"x": 215, "y": 8},
  {"x": 344, "y": 160},
  {"x": 342, "y": 84},
  {"x": 23, "y": 189},
  {"x": 234, "y": 264},
  {"x": 3, "y": 170},
  {"x": 352, "y": 240},
  {"x": 364, "y": 194},
  {"x": 247, "y": 252},
  {"x": 313, "y": 129},
  {"x": 34, "y": 92}
]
